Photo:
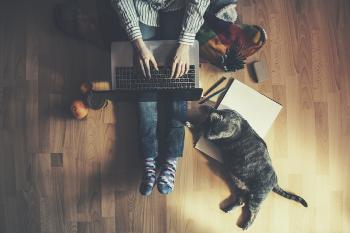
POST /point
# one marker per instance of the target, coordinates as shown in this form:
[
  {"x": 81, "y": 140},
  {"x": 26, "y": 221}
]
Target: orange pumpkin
[{"x": 79, "y": 109}]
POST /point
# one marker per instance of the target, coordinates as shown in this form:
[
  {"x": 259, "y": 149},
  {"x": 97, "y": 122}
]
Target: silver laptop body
[{"x": 122, "y": 55}]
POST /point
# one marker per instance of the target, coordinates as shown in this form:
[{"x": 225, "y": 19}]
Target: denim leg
[
  {"x": 147, "y": 119},
  {"x": 175, "y": 132},
  {"x": 147, "y": 111}
]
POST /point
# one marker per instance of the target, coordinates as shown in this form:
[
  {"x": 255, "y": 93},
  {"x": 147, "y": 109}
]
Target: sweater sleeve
[
  {"x": 128, "y": 16},
  {"x": 193, "y": 20}
]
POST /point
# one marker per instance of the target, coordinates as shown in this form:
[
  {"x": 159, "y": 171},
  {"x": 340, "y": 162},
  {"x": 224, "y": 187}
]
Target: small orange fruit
[{"x": 79, "y": 109}]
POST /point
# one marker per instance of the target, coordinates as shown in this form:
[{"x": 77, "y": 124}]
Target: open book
[{"x": 259, "y": 110}]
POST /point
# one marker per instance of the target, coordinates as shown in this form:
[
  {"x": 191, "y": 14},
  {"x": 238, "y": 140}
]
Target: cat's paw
[
  {"x": 249, "y": 220},
  {"x": 231, "y": 206},
  {"x": 245, "y": 225},
  {"x": 244, "y": 228},
  {"x": 227, "y": 209}
]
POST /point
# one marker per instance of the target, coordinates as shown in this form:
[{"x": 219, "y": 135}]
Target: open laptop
[{"x": 128, "y": 83}]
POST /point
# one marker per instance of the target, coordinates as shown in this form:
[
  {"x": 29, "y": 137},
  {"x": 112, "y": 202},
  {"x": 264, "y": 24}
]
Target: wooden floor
[{"x": 60, "y": 175}]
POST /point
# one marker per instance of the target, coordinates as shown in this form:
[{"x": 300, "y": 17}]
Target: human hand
[
  {"x": 181, "y": 61},
  {"x": 145, "y": 57}
]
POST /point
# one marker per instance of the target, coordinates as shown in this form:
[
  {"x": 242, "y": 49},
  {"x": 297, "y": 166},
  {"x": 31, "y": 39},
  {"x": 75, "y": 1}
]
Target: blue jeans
[{"x": 174, "y": 111}]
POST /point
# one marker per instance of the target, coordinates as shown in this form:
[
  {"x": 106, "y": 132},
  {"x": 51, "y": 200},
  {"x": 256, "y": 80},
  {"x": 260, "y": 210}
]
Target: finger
[
  {"x": 142, "y": 68},
  {"x": 178, "y": 70},
  {"x": 183, "y": 69},
  {"x": 147, "y": 68},
  {"x": 154, "y": 63},
  {"x": 173, "y": 69},
  {"x": 187, "y": 67}
]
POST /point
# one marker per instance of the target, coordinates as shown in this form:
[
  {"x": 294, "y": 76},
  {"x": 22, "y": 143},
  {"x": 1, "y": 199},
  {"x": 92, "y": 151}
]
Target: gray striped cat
[{"x": 246, "y": 159}]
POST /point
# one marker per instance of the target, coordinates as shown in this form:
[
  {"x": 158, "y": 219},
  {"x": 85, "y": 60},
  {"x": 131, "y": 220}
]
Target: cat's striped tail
[{"x": 277, "y": 189}]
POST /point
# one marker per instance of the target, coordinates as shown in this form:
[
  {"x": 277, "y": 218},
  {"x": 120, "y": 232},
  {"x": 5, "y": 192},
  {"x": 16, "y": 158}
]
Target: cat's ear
[{"x": 214, "y": 116}]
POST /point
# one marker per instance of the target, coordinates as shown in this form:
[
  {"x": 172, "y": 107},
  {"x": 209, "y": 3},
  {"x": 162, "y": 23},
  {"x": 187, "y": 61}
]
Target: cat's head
[{"x": 222, "y": 124}]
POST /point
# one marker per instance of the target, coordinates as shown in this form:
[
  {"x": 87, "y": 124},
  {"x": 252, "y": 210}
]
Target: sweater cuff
[
  {"x": 187, "y": 38},
  {"x": 133, "y": 32}
]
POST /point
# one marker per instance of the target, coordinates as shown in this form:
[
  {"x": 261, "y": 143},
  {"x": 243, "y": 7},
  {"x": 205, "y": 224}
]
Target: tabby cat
[{"x": 246, "y": 159}]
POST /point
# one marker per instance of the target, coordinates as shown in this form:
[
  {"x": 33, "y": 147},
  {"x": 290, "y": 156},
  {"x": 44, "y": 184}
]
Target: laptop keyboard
[{"x": 130, "y": 79}]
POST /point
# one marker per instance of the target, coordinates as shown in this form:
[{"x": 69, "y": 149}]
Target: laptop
[{"x": 128, "y": 83}]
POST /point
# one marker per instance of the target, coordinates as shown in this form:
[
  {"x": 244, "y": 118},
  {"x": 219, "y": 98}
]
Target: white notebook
[{"x": 259, "y": 110}]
